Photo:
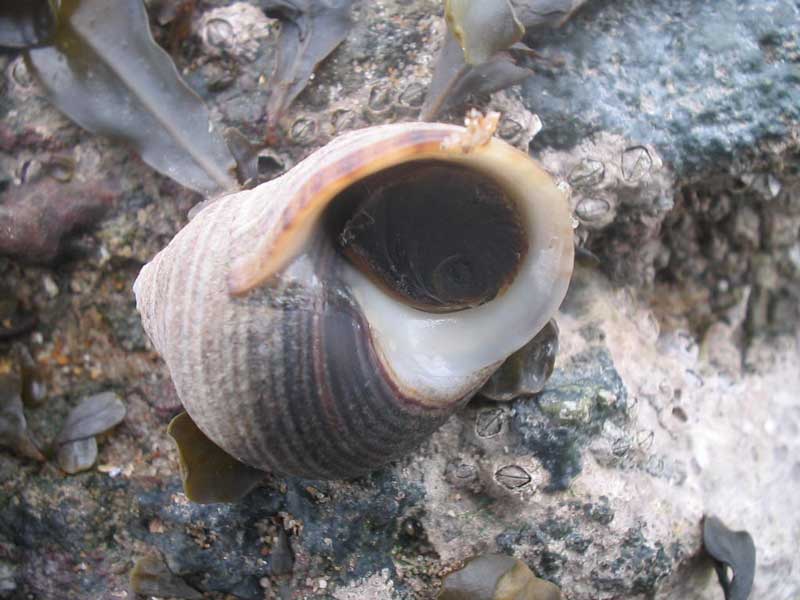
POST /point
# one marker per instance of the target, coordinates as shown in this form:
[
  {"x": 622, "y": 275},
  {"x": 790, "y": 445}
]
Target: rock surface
[
  {"x": 652, "y": 104},
  {"x": 675, "y": 392},
  {"x": 705, "y": 83}
]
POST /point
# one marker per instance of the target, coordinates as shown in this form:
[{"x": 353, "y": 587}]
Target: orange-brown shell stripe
[{"x": 255, "y": 268}]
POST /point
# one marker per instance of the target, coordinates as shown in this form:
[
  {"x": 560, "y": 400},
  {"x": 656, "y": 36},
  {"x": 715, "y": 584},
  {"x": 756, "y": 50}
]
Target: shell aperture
[{"x": 440, "y": 237}]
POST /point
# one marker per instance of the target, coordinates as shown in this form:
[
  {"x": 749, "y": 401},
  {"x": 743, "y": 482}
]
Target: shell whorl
[{"x": 283, "y": 355}]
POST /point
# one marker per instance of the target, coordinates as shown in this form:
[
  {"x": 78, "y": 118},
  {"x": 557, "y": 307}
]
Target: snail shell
[{"x": 328, "y": 321}]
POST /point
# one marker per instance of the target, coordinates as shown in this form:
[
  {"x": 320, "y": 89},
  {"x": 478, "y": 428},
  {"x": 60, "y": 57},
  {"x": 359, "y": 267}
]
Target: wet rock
[
  {"x": 649, "y": 563},
  {"x": 577, "y": 543},
  {"x": 725, "y": 255},
  {"x": 7, "y": 579},
  {"x": 127, "y": 329},
  {"x": 615, "y": 530},
  {"x": 710, "y": 80},
  {"x": 599, "y": 512},
  {"x": 711, "y": 110},
  {"x": 625, "y": 462},
  {"x": 222, "y": 547},
  {"x": 212, "y": 547},
  {"x": 282, "y": 558},
  {"x": 38, "y": 219}
]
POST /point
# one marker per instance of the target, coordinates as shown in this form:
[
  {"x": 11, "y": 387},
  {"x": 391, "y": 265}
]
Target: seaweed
[
  {"x": 106, "y": 73},
  {"x": 209, "y": 473},
  {"x": 483, "y": 28},
  {"x": 481, "y": 51},
  {"x": 310, "y": 31},
  {"x": 734, "y": 550},
  {"x": 535, "y": 14}
]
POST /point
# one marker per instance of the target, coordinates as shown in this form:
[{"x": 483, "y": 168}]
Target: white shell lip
[{"x": 437, "y": 357}]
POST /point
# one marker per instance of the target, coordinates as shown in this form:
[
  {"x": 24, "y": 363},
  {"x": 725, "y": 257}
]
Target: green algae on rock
[{"x": 573, "y": 407}]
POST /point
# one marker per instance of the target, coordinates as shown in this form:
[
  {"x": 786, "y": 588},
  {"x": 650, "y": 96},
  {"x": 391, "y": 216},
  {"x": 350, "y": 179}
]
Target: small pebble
[
  {"x": 34, "y": 389},
  {"x": 50, "y": 286},
  {"x": 77, "y": 455}
]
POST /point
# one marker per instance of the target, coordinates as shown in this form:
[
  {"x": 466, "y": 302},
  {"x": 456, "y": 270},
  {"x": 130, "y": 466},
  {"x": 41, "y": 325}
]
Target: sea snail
[{"x": 328, "y": 321}]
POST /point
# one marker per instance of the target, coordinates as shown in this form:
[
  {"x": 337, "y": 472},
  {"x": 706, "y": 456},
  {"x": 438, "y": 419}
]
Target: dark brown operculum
[
  {"x": 439, "y": 236},
  {"x": 328, "y": 409}
]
